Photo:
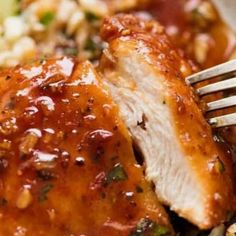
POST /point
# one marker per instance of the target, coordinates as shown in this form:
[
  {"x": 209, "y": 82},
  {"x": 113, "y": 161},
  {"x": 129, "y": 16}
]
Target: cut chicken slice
[
  {"x": 145, "y": 75},
  {"x": 66, "y": 160}
]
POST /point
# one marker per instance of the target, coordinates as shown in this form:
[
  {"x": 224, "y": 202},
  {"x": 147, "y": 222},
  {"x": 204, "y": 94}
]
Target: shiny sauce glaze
[
  {"x": 196, "y": 27},
  {"x": 66, "y": 161},
  {"x": 211, "y": 163}
]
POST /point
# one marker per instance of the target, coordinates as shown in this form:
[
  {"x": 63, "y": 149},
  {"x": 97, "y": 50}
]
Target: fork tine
[
  {"x": 221, "y": 103},
  {"x": 215, "y": 87},
  {"x": 212, "y": 72},
  {"x": 222, "y": 121}
]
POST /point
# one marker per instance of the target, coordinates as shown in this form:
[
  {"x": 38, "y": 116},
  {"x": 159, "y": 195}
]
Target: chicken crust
[
  {"x": 194, "y": 174},
  {"x": 66, "y": 161}
]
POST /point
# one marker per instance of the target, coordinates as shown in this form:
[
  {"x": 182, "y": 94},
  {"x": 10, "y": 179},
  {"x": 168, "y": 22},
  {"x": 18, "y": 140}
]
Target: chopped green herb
[
  {"x": 90, "y": 45},
  {"x": 3, "y": 202},
  {"x": 47, "y": 18},
  {"x": 117, "y": 174},
  {"x": 42, "y": 59},
  {"x": 158, "y": 230},
  {"x": 90, "y": 16},
  {"x": 149, "y": 227},
  {"x": 216, "y": 165},
  {"x": 219, "y": 166},
  {"x": 44, "y": 191}
]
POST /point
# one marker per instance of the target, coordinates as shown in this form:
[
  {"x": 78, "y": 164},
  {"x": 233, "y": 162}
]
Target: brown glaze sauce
[
  {"x": 61, "y": 165},
  {"x": 184, "y": 25},
  {"x": 64, "y": 171},
  {"x": 177, "y": 17},
  {"x": 211, "y": 166}
]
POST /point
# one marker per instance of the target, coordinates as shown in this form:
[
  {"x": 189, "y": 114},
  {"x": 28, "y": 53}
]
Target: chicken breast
[
  {"x": 145, "y": 75},
  {"x": 66, "y": 161}
]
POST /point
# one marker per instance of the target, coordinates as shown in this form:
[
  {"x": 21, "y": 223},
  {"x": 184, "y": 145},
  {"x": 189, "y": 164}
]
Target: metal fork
[{"x": 217, "y": 71}]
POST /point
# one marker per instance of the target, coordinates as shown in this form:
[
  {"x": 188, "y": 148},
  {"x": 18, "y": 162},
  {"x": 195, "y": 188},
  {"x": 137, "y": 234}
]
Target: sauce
[
  {"x": 64, "y": 171},
  {"x": 195, "y": 26}
]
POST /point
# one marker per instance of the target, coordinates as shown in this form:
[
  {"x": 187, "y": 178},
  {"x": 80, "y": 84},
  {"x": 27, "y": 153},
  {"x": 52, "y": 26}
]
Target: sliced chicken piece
[
  {"x": 145, "y": 75},
  {"x": 66, "y": 161}
]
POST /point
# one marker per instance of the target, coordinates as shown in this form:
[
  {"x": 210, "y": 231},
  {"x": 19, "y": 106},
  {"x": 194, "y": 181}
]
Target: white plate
[{"x": 227, "y": 10}]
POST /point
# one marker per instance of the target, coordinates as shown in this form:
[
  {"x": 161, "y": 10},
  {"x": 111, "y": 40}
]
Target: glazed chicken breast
[
  {"x": 145, "y": 75},
  {"x": 66, "y": 161}
]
